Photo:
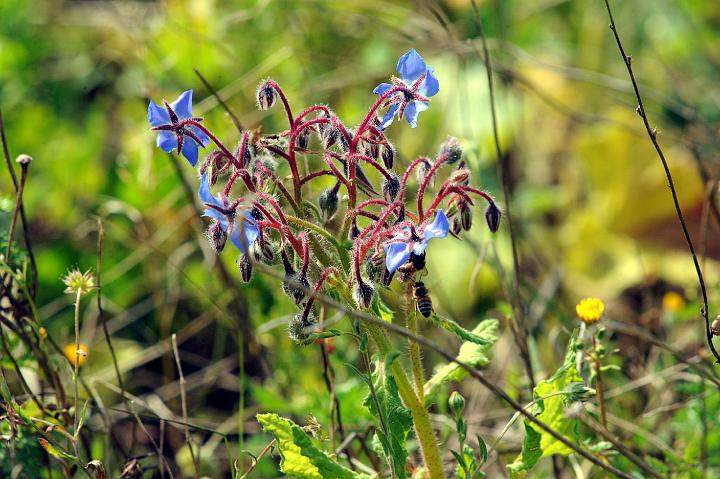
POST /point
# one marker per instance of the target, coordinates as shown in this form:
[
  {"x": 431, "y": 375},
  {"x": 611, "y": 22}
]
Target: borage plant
[{"x": 346, "y": 253}]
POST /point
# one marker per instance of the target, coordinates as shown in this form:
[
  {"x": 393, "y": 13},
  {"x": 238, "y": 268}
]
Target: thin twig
[
  {"x": 652, "y": 134},
  {"x": 18, "y": 206},
  {"x": 183, "y": 403},
  {"x": 518, "y": 326},
  {"x": 214, "y": 92},
  {"x": 23, "y": 216}
]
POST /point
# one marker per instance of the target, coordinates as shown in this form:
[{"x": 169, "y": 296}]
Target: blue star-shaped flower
[
  {"x": 169, "y": 121},
  {"x": 398, "y": 249},
  {"x": 243, "y": 230},
  {"x": 419, "y": 83}
]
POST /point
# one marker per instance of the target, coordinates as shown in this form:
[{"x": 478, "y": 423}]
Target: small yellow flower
[
  {"x": 673, "y": 301},
  {"x": 69, "y": 351},
  {"x": 589, "y": 310},
  {"x": 77, "y": 281}
]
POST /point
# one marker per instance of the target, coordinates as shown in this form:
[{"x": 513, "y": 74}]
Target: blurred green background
[{"x": 593, "y": 213}]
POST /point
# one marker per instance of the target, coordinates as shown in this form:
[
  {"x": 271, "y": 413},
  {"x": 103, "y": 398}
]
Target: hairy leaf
[
  {"x": 299, "y": 456},
  {"x": 471, "y": 353},
  {"x": 396, "y": 418},
  {"x": 539, "y": 444}
]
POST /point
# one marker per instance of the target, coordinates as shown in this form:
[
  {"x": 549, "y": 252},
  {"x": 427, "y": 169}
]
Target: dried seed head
[
  {"x": 266, "y": 96},
  {"x": 78, "y": 282}
]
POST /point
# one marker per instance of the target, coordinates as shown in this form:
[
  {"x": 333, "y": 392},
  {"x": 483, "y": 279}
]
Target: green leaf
[
  {"x": 395, "y": 416},
  {"x": 471, "y": 353},
  {"x": 299, "y": 456},
  {"x": 381, "y": 310},
  {"x": 539, "y": 444},
  {"x": 459, "y": 331}
]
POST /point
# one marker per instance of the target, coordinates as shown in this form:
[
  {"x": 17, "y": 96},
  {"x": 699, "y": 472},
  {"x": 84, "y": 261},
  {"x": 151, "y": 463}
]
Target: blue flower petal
[
  {"x": 204, "y": 139},
  {"x": 245, "y": 232},
  {"x": 411, "y": 66},
  {"x": 183, "y": 105},
  {"x": 167, "y": 141},
  {"x": 382, "y": 88},
  {"x": 206, "y": 195},
  {"x": 217, "y": 216},
  {"x": 389, "y": 116},
  {"x": 412, "y": 111},
  {"x": 439, "y": 228},
  {"x": 396, "y": 254},
  {"x": 157, "y": 115},
  {"x": 430, "y": 85},
  {"x": 190, "y": 150}
]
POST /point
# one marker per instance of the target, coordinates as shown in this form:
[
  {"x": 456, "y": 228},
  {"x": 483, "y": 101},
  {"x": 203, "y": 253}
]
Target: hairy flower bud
[
  {"x": 298, "y": 328},
  {"x": 363, "y": 294},
  {"x": 386, "y": 276},
  {"x": 391, "y": 187},
  {"x": 456, "y": 403},
  {"x": 388, "y": 155},
  {"x": 328, "y": 202},
  {"x": 715, "y": 326},
  {"x": 245, "y": 267},
  {"x": 303, "y": 139},
  {"x": 451, "y": 150},
  {"x": 330, "y": 136},
  {"x": 293, "y": 285},
  {"x": 374, "y": 265},
  {"x": 354, "y": 230},
  {"x": 456, "y": 226},
  {"x": 460, "y": 177},
  {"x": 217, "y": 236},
  {"x": 266, "y": 95},
  {"x": 422, "y": 171},
  {"x": 492, "y": 216},
  {"x": 465, "y": 216}
]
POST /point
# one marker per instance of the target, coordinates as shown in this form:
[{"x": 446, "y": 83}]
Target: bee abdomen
[{"x": 424, "y": 305}]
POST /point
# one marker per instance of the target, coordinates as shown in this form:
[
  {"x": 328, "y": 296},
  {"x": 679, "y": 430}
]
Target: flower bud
[
  {"x": 330, "y": 136},
  {"x": 373, "y": 150},
  {"x": 374, "y": 265},
  {"x": 328, "y": 202},
  {"x": 388, "y": 155},
  {"x": 23, "y": 159},
  {"x": 465, "y": 216},
  {"x": 456, "y": 403},
  {"x": 363, "y": 294},
  {"x": 294, "y": 286},
  {"x": 344, "y": 141},
  {"x": 460, "y": 177},
  {"x": 218, "y": 237},
  {"x": 266, "y": 96},
  {"x": 715, "y": 326},
  {"x": 245, "y": 267},
  {"x": 386, "y": 277},
  {"x": 492, "y": 216},
  {"x": 391, "y": 187},
  {"x": 422, "y": 171},
  {"x": 354, "y": 230},
  {"x": 456, "y": 226},
  {"x": 298, "y": 328},
  {"x": 451, "y": 151},
  {"x": 303, "y": 139}
]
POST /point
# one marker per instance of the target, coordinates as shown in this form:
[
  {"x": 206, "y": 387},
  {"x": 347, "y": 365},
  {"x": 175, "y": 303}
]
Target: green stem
[
  {"x": 421, "y": 418},
  {"x": 77, "y": 359},
  {"x": 413, "y": 346},
  {"x": 342, "y": 252},
  {"x": 599, "y": 386}
]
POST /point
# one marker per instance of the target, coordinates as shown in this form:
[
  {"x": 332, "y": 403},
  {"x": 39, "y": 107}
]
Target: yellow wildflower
[
  {"x": 69, "y": 351},
  {"x": 673, "y": 301},
  {"x": 589, "y": 310}
]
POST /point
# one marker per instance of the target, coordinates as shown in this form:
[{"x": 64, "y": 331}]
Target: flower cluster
[{"x": 350, "y": 241}]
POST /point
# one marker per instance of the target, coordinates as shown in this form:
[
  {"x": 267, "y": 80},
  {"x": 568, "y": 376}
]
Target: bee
[
  {"x": 414, "y": 264},
  {"x": 422, "y": 299}
]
